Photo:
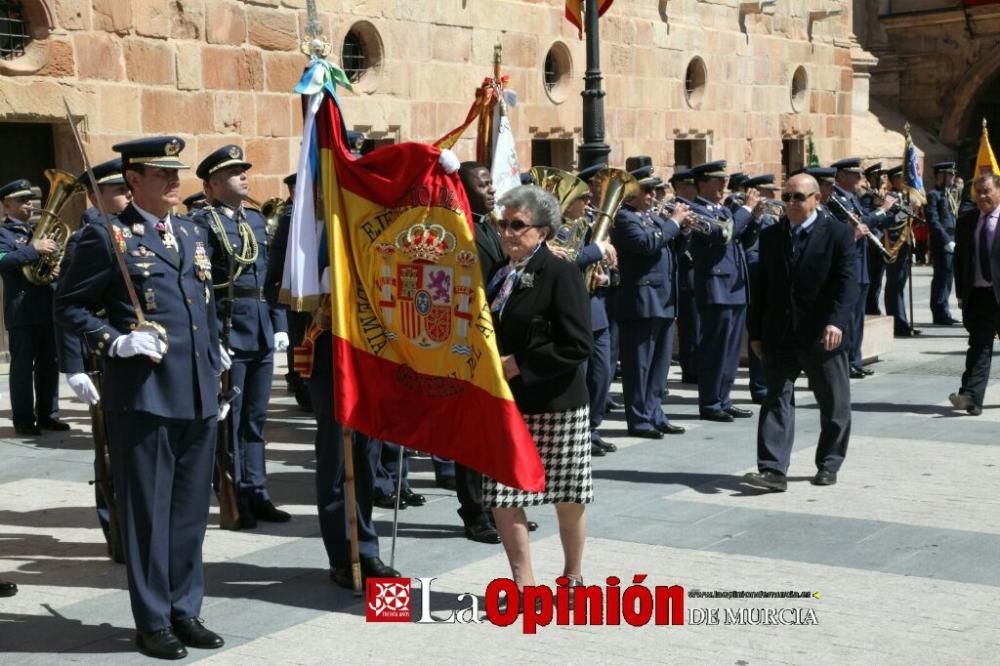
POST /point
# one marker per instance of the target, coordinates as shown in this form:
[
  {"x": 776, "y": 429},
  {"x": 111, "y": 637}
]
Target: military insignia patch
[
  {"x": 172, "y": 148},
  {"x": 150, "y": 296},
  {"x": 235, "y": 152},
  {"x": 138, "y": 228}
]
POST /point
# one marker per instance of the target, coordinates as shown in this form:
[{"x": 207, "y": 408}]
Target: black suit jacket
[
  {"x": 491, "y": 254},
  {"x": 965, "y": 256},
  {"x": 546, "y": 326},
  {"x": 793, "y": 301}
]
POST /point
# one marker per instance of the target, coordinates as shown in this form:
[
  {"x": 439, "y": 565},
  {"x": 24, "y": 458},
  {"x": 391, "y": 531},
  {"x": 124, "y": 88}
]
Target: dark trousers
[
  {"x": 34, "y": 374},
  {"x": 830, "y": 383},
  {"x": 252, "y": 372},
  {"x": 688, "y": 332},
  {"x": 163, "y": 477},
  {"x": 614, "y": 349},
  {"x": 330, "y": 491},
  {"x": 646, "y": 346},
  {"x": 599, "y": 378},
  {"x": 941, "y": 285},
  {"x": 876, "y": 271},
  {"x": 719, "y": 354},
  {"x": 857, "y": 333},
  {"x": 298, "y": 322},
  {"x": 469, "y": 488},
  {"x": 896, "y": 275},
  {"x": 755, "y": 369},
  {"x": 386, "y": 460},
  {"x": 981, "y": 317}
]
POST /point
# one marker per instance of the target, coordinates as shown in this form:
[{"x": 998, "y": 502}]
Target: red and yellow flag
[
  {"x": 415, "y": 360},
  {"x": 574, "y": 12},
  {"x": 986, "y": 161}
]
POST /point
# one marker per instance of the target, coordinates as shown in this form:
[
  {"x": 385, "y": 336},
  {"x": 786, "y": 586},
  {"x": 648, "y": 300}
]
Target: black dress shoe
[
  {"x": 244, "y": 504},
  {"x": 867, "y": 372},
  {"x": 29, "y": 430},
  {"x": 7, "y": 589},
  {"x": 739, "y": 412},
  {"x": 482, "y": 532},
  {"x": 447, "y": 482},
  {"x": 671, "y": 429},
  {"x": 194, "y": 634},
  {"x": 909, "y": 334},
  {"x": 162, "y": 644},
  {"x": 716, "y": 415},
  {"x": 974, "y": 410},
  {"x": 949, "y": 321},
  {"x": 824, "y": 478},
  {"x": 646, "y": 434},
  {"x": 603, "y": 444},
  {"x": 857, "y": 373},
  {"x": 389, "y": 502},
  {"x": 264, "y": 509},
  {"x": 596, "y": 451},
  {"x": 53, "y": 424},
  {"x": 769, "y": 479},
  {"x": 413, "y": 499},
  {"x": 373, "y": 567}
]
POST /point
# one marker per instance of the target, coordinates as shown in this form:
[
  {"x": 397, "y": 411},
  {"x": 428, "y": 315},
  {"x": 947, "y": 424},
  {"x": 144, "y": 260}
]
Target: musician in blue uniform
[
  {"x": 720, "y": 279},
  {"x": 252, "y": 329},
  {"x": 943, "y": 203},
  {"x": 737, "y": 187},
  {"x": 870, "y": 200},
  {"x": 764, "y": 184},
  {"x": 195, "y": 202},
  {"x": 162, "y": 360},
  {"x": 845, "y": 206},
  {"x": 688, "y": 322},
  {"x": 34, "y": 374},
  {"x": 647, "y": 304},
  {"x": 897, "y": 273}
]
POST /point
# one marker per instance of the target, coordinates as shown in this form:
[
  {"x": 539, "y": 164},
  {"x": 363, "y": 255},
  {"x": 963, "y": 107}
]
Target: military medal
[
  {"x": 119, "y": 238},
  {"x": 150, "y": 297},
  {"x": 127, "y": 233},
  {"x": 138, "y": 228},
  {"x": 202, "y": 262}
]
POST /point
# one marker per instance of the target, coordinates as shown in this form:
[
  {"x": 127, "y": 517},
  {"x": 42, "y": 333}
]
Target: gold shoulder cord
[{"x": 248, "y": 256}]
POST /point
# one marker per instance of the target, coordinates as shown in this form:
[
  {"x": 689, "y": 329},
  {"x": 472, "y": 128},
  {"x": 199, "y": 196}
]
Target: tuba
[
  {"x": 62, "y": 187},
  {"x": 272, "y": 209},
  {"x": 567, "y": 188},
  {"x": 613, "y": 186}
]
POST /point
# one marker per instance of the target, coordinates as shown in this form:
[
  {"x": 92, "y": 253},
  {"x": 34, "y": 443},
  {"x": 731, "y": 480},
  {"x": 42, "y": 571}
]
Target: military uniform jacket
[
  {"x": 940, "y": 218},
  {"x": 873, "y": 219},
  {"x": 648, "y": 286},
  {"x": 720, "y": 268},
  {"x": 24, "y": 303},
  {"x": 254, "y": 321},
  {"x": 174, "y": 290},
  {"x": 70, "y": 347},
  {"x": 589, "y": 255}
]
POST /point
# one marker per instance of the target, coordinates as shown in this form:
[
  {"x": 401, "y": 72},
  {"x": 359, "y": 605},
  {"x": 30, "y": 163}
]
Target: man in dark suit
[
  {"x": 161, "y": 388},
  {"x": 800, "y": 312},
  {"x": 977, "y": 267},
  {"x": 941, "y": 213},
  {"x": 34, "y": 374},
  {"x": 251, "y": 328}
]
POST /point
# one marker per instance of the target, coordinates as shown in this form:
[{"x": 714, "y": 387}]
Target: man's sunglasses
[
  {"x": 797, "y": 197},
  {"x": 515, "y": 225}
]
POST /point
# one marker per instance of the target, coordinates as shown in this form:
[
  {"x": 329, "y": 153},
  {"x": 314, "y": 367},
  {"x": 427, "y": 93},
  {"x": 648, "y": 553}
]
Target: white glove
[
  {"x": 83, "y": 388},
  {"x": 138, "y": 343},
  {"x": 224, "y": 358},
  {"x": 449, "y": 161},
  {"x": 280, "y": 341},
  {"x": 949, "y": 247}
]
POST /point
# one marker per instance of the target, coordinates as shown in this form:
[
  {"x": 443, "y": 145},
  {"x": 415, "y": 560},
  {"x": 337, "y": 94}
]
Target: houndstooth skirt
[{"x": 563, "y": 441}]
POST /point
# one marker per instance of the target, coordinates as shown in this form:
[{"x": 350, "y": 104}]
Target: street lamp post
[{"x": 593, "y": 149}]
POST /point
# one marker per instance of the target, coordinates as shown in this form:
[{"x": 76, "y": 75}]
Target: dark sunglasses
[
  {"x": 515, "y": 225},
  {"x": 798, "y": 197}
]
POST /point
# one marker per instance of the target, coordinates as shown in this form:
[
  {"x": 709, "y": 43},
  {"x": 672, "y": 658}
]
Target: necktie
[
  {"x": 984, "y": 250},
  {"x": 798, "y": 241}
]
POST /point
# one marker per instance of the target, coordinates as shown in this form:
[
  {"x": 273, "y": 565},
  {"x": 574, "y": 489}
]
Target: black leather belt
[{"x": 242, "y": 292}]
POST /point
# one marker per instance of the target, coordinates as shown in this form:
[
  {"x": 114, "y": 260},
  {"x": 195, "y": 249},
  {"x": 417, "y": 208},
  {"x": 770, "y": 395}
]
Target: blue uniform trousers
[
  {"x": 252, "y": 373},
  {"x": 941, "y": 285},
  {"x": 599, "y": 375},
  {"x": 646, "y": 346},
  {"x": 719, "y": 354},
  {"x": 896, "y": 275},
  {"x": 876, "y": 271},
  {"x": 857, "y": 331},
  {"x": 34, "y": 373},
  {"x": 163, "y": 478},
  {"x": 385, "y": 460}
]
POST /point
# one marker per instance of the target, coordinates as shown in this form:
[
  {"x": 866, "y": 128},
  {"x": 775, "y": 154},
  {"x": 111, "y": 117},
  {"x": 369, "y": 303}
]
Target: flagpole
[
  {"x": 395, "y": 510},
  {"x": 593, "y": 150}
]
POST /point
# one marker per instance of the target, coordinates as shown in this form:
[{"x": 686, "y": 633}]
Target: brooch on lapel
[{"x": 527, "y": 281}]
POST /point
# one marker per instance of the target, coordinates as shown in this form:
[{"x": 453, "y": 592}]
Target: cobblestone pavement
[{"x": 902, "y": 552}]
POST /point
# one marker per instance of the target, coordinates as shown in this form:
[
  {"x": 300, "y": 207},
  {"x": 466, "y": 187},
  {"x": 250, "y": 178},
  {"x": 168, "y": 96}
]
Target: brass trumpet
[
  {"x": 696, "y": 222},
  {"x": 62, "y": 187}
]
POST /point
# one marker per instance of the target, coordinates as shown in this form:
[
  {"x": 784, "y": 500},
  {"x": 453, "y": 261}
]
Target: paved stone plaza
[{"x": 903, "y": 551}]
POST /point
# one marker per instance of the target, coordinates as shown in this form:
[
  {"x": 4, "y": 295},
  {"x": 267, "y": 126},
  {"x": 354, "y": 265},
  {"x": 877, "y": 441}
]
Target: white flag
[{"x": 506, "y": 171}]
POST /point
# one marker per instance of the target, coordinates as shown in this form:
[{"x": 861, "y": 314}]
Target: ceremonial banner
[
  {"x": 415, "y": 361},
  {"x": 574, "y": 12},
  {"x": 986, "y": 161},
  {"x": 504, "y": 167},
  {"x": 913, "y": 184}
]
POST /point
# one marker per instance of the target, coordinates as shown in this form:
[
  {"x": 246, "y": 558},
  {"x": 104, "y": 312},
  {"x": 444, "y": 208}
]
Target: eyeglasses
[
  {"x": 797, "y": 197},
  {"x": 516, "y": 225}
]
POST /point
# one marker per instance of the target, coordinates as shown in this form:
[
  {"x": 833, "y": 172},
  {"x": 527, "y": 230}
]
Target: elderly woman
[{"x": 541, "y": 312}]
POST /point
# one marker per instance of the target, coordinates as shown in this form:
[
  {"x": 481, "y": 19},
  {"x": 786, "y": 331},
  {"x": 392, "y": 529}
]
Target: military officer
[
  {"x": 847, "y": 207},
  {"x": 870, "y": 200},
  {"x": 161, "y": 387},
  {"x": 647, "y": 303},
  {"x": 942, "y": 212},
  {"x": 251, "y": 329},
  {"x": 34, "y": 374},
  {"x": 825, "y": 178},
  {"x": 764, "y": 184},
  {"x": 737, "y": 187},
  {"x": 897, "y": 273},
  {"x": 720, "y": 279},
  {"x": 688, "y": 322}
]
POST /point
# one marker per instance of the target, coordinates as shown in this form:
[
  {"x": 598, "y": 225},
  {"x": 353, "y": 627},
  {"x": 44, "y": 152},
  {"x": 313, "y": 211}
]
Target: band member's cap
[
  {"x": 874, "y": 169},
  {"x": 945, "y": 167},
  {"x": 290, "y": 179},
  {"x": 682, "y": 176},
  {"x": 738, "y": 179},
  {"x": 227, "y": 156},
  {"x": 586, "y": 174},
  {"x": 895, "y": 171},
  {"x": 196, "y": 200},
  {"x": 849, "y": 164},
  {"x": 638, "y": 162},
  {"x": 708, "y": 170},
  {"x": 154, "y": 151},
  {"x": 105, "y": 173},
  {"x": 18, "y": 189},
  {"x": 822, "y": 174},
  {"x": 764, "y": 182}
]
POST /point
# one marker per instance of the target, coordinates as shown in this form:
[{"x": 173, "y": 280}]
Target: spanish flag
[
  {"x": 986, "y": 162},
  {"x": 574, "y": 12},
  {"x": 415, "y": 359}
]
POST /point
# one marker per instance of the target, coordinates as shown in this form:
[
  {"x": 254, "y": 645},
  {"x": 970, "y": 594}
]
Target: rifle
[
  {"x": 102, "y": 464},
  {"x": 225, "y": 455}
]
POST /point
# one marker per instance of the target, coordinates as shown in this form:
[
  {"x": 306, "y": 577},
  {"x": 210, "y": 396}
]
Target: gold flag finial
[{"x": 313, "y": 45}]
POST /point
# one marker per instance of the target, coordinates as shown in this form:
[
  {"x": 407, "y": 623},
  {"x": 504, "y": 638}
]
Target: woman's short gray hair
[{"x": 542, "y": 206}]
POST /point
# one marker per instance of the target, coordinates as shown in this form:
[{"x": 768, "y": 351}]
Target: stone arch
[{"x": 963, "y": 101}]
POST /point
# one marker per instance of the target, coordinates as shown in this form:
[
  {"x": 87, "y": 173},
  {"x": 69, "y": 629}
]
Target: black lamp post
[{"x": 593, "y": 149}]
